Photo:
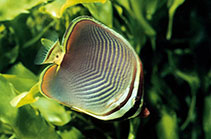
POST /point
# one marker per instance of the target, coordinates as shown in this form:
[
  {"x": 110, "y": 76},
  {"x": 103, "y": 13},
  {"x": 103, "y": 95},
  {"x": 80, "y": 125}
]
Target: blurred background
[{"x": 171, "y": 38}]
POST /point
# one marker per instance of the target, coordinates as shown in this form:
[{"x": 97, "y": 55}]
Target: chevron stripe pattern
[{"x": 100, "y": 74}]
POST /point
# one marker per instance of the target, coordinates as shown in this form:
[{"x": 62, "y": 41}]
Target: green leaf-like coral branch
[
  {"x": 10, "y": 9},
  {"x": 57, "y": 7},
  {"x": 173, "y": 5}
]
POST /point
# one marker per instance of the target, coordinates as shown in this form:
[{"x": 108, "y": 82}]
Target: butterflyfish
[{"x": 94, "y": 70}]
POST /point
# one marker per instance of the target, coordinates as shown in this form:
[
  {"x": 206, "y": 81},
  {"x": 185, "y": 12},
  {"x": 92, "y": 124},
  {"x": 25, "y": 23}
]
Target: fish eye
[{"x": 57, "y": 56}]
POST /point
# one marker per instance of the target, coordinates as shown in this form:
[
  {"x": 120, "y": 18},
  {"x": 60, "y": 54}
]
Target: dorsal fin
[
  {"x": 48, "y": 44},
  {"x": 44, "y": 53},
  {"x": 51, "y": 52}
]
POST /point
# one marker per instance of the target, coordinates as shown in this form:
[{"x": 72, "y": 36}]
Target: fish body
[{"x": 98, "y": 72}]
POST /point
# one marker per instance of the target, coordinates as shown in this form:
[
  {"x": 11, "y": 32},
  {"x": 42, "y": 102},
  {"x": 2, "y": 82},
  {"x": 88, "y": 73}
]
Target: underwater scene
[{"x": 105, "y": 69}]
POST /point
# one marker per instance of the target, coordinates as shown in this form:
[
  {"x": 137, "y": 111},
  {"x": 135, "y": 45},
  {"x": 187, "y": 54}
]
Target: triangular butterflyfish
[{"x": 94, "y": 70}]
